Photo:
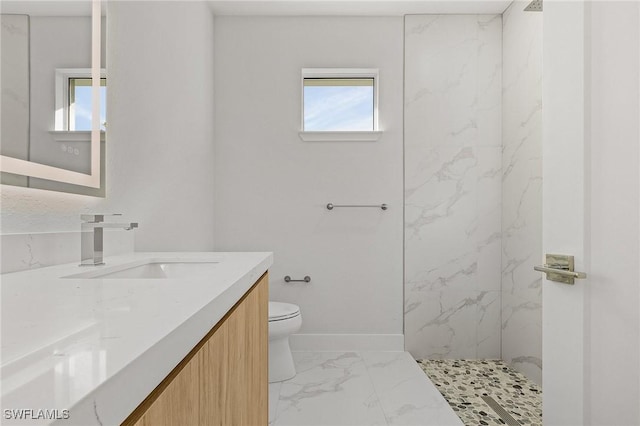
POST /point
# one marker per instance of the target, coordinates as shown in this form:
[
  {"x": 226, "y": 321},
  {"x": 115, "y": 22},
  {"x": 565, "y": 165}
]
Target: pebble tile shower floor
[{"x": 464, "y": 383}]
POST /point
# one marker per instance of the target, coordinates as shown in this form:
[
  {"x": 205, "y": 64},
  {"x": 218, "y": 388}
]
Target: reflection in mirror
[{"x": 47, "y": 95}]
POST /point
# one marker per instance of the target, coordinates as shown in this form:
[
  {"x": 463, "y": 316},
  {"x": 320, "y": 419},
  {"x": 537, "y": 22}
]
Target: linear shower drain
[{"x": 501, "y": 412}]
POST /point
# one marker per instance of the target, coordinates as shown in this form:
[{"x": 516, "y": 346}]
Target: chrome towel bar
[
  {"x": 331, "y": 206},
  {"x": 288, "y": 279}
]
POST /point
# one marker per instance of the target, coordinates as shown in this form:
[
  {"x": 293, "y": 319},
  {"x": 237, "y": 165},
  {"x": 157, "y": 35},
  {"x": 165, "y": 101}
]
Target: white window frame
[
  {"x": 345, "y": 135},
  {"x": 61, "y": 130}
]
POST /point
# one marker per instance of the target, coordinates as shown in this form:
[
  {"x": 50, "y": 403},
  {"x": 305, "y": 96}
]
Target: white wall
[
  {"x": 613, "y": 349},
  {"x": 452, "y": 171},
  {"x": 522, "y": 189},
  {"x": 161, "y": 121},
  {"x": 271, "y": 188},
  {"x": 160, "y": 138},
  {"x": 14, "y": 83}
]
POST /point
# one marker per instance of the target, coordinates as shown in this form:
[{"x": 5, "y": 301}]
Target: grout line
[
  {"x": 500, "y": 332},
  {"x": 375, "y": 390},
  {"x": 404, "y": 174},
  {"x": 275, "y": 408}
]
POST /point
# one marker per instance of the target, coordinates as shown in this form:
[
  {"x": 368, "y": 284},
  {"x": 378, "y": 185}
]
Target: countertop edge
[
  {"x": 114, "y": 398},
  {"x": 108, "y": 405}
]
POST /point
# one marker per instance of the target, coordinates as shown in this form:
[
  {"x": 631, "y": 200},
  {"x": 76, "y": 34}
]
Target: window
[
  {"x": 336, "y": 104},
  {"x": 74, "y": 100},
  {"x": 339, "y": 102},
  {"x": 79, "y": 108}
]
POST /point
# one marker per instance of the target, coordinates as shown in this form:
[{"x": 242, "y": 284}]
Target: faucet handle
[{"x": 96, "y": 218}]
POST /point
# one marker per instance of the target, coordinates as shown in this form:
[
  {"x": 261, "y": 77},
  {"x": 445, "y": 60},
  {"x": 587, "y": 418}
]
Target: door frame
[{"x": 565, "y": 207}]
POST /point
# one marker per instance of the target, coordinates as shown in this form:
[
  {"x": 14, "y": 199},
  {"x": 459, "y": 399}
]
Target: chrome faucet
[{"x": 91, "y": 239}]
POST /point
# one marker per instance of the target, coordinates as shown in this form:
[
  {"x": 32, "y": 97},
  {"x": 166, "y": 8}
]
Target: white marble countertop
[{"x": 97, "y": 347}]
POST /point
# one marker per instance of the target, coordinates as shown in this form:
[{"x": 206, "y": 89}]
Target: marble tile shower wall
[
  {"x": 521, "y": 190},
  {"x": 453, "y": 179}
]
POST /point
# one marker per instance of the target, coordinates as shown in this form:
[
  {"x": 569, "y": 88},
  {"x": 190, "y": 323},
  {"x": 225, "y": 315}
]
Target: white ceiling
[
  {"x": 48, "y": 7},
  {"x": 280, "y": 7},
  {"x": 356, "y": 7}
]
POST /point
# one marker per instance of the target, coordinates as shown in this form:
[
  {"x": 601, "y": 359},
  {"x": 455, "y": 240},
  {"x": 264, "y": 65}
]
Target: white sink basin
[
  {"x": 153, "y": 269},
  {"x": 163, "y": 270}
]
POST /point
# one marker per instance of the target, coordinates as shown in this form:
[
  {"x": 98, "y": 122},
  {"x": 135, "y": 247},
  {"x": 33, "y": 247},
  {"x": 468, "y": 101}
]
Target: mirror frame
[{"x": 43, "y": 171}]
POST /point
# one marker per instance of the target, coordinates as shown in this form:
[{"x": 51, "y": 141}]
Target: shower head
[{"x": 534, "y": 6}]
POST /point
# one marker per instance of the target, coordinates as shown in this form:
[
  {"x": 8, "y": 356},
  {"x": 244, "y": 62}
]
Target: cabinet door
[
  {"x": 234, "y": 365},
  {"x": 224, "y": 380},
  {"x": 215, "y": 381},
  {"x": 257, "y": 363},
  {"x": 178, "y": 404}
]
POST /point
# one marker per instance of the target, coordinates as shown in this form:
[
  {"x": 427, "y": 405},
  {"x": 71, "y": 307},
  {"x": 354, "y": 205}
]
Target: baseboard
[{"x": 346, "y": 342}]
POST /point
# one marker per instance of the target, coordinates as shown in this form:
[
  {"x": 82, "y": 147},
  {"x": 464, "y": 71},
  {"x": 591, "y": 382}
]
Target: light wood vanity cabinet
[{"x": 224, "y": 379}]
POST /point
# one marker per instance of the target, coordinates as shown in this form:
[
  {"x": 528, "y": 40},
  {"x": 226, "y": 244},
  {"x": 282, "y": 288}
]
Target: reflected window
[
  {"x": 74, "y": 100},
  {"x": 80, "y": 103}
]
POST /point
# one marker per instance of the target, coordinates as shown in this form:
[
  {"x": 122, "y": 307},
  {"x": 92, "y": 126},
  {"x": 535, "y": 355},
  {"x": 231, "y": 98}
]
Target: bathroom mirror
[{"x": 53, "y": 82}]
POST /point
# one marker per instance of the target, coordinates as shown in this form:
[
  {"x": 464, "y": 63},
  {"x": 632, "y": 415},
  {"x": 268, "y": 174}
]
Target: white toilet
[{"x": 284, "y": 320}]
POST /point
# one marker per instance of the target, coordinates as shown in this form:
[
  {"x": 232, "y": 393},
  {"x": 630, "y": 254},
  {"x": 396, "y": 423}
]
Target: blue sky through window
[
  {"x": 338, "y": 108},
  {"x": 83, "y": 107}
]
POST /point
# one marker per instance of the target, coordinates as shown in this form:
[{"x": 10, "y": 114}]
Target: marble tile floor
[
  {"x": 358, "y": 388},
  {"x": 467, "y": 383}
]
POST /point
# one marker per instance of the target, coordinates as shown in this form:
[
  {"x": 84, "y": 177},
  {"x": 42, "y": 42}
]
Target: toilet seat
[{"x": 279, "y": 311}]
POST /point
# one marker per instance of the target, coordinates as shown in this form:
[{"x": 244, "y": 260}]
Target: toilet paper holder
[{"x": 288, "y": 279}]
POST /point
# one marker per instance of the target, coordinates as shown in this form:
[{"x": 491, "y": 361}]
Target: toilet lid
[{"x": 280, "y": 311}]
